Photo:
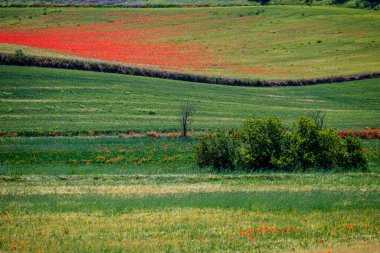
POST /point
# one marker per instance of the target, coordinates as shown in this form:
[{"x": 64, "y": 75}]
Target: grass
[
  {"x": 64, "y": 100},
  {"x": 117, "y": 194},
  {"x": 110, "y": 155},
  {"x": 54, "y": 217},
  {"x": 273, "y": 42}
]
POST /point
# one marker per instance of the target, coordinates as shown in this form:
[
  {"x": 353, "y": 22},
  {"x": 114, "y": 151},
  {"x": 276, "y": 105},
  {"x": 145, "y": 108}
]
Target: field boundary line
[{"x": 118, "y": 68}]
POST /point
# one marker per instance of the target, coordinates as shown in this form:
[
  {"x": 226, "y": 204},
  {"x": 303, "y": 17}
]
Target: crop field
[
  {"x": 273, "y": 42},
  {"x": 191, "y": 213},
  {"x": 66, "y": 100}
]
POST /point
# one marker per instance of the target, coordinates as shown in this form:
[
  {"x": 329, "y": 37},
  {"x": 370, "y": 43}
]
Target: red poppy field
[{"x": 240, "y": 42}]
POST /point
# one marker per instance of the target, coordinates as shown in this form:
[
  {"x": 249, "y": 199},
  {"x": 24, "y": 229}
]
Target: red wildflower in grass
[
  {"x": 291, "y": 229},
  {"x": 166, "y": 147},
  {"x": 266, "y": 228},
  {"x": 252, "y": 239},
  {"x": 350, "y": 227},
  {"x": 149, "y": 157},
  {"x": 9, "y": 221}
]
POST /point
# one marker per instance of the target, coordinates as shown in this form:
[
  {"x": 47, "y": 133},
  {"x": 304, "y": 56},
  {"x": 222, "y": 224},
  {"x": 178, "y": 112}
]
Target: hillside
[
  {"x": 38, "y": 99},
  {"x": 270, "y": 42}
]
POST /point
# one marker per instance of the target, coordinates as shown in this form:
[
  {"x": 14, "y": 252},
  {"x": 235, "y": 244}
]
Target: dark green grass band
[
  {"x": 98, "y": 66},
  {"x": 316, "y": 200}
]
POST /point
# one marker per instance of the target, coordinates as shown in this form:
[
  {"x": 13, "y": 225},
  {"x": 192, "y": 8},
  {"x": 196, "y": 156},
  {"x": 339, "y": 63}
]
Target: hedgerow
[
  {"x": 19, "y": 58},
  {"x": 265, "y": 144}
]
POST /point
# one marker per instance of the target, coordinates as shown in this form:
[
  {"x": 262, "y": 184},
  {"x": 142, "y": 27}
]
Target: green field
[
  {"x": 269, "y": 42},
  {"x": 37, "y": 99},
  {"x": 192, "y": 213},
  {"x": 112, "y": 155},
  {"x": 102, "y": 188},
  {"x": 76, "y": 194}
]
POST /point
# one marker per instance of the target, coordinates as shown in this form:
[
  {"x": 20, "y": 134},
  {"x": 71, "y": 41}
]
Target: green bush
[
  {"x": 261, "y": 144},
  {"x": 352, "y": 154},
  {"x": 219, "y": 150},
  {"x": 265, "y": 144}
]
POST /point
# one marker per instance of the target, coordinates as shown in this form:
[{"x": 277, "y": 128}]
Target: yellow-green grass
[
  {"x": 339, "y": 214},
  {"x": 39, "y": 99},
  {"x": 272, "y": 42}
]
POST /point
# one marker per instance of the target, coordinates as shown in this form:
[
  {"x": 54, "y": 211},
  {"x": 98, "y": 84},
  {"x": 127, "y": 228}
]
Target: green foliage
[
  {"x": 265, "y": 144},
  {"x": 353, "y": 155},
  {"x": 309, "y": 2},
  {"x": 261, "y": 142},
  {"x": 21, "y": 56},
  {"x": 219, "y": 150}
]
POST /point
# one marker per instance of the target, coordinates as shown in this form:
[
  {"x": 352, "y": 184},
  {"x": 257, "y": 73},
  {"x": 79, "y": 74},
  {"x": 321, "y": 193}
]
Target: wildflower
[{"x": 166, "y": 147}]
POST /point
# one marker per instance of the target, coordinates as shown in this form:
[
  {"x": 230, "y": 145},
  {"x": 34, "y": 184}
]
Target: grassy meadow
[
  {"x": 268, "y": 42},
  {"x": 65, "y": 100},
  {"x": 93, "y": 190},
  {"x": 112, "y": 155},
  {"x": 192, "y": 213}
]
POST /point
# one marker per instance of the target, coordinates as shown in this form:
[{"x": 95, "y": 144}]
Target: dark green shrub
[
  {"x": 306, "y": 138},
  {"x": 266, "y": 144},
  {"x": 316, "y": 148},
  {"x": 289, "y": 159},
  {"x": 353, "y": 155},
  {"x": 219, "y": 150},
  {"x": 262, "y": 140},
  {"x": 329, "y": 149}
]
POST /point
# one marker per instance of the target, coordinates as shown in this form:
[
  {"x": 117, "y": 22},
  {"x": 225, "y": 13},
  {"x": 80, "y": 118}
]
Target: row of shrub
[
  {"x": 265, "y": 144},
  {"x": 20, "y": 58}
]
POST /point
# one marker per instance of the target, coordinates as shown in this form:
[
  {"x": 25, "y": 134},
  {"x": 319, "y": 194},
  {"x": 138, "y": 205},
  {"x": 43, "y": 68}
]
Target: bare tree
[{"x": 187, "y": 110}]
